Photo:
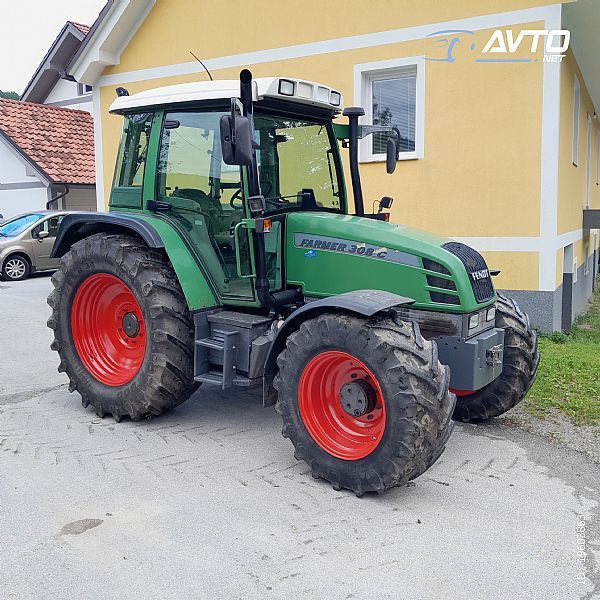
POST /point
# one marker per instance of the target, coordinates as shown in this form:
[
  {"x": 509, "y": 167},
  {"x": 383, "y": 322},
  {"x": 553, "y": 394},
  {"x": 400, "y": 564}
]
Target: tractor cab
[
  {"x": 206, "y": 195},
  {"x": 191, "y": 154}
]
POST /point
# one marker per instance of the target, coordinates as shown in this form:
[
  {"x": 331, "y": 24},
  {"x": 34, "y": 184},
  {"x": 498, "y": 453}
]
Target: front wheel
[
  {"x": 15, "y": 268},
  {"x": 364, "y": 402},
  {"x": 521, "y": 359},
  {"x": 122, "y": 328}
]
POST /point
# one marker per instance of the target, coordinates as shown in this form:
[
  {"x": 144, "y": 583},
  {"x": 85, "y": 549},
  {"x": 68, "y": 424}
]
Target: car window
[
  {"x": 18, "y": 225},
  {"x": 50, "y": 225}
]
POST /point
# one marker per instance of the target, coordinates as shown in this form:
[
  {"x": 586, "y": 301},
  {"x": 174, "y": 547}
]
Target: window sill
[{"x": 381, "y": 158}]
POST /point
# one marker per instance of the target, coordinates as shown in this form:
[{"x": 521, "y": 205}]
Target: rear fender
[
  {"x": 156, "y": 233},
  {"x": 364, "y": 303}
]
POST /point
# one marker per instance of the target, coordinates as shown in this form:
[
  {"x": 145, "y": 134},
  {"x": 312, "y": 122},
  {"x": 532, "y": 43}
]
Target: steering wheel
[{"x": 235, "y": 197}]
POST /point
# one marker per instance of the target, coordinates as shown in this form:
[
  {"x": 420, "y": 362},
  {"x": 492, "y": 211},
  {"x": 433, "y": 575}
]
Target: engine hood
[
  {"x": 378, "y": 233},
  {"x": 329, "y": 253}
]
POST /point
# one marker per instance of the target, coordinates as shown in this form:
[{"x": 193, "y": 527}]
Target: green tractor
[{"x": 230, "y": 257}]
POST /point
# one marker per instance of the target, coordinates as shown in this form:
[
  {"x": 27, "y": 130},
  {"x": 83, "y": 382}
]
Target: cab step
[
  {"x": 224, "y": 341},
  {"x": 216, "y": 378},
  {"x": 222, "y": 351}
]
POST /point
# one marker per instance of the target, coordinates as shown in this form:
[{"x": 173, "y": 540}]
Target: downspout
[{"x": 59, "y": 197}]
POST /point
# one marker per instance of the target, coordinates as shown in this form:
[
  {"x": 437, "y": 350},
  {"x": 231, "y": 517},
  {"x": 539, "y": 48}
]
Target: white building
[{"x": 46, "y": 139}]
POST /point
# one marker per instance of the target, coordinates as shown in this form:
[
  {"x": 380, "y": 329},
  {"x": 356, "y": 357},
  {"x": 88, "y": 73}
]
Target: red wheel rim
[
  {"x": 108, "y": 329},
  {"x": 462, "y": 393},
  {"x": 339, "y": 433}
]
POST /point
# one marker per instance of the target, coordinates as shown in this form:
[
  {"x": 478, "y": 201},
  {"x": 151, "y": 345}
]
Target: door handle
[{"x": 238, "y": 259}]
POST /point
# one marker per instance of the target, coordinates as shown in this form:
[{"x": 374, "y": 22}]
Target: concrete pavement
[{"x": 208, "y": 502}]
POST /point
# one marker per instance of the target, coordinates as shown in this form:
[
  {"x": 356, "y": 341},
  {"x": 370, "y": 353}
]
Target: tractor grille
[
  {"x": 474, "y": 264},
  {"x": 439, "y": 282}
]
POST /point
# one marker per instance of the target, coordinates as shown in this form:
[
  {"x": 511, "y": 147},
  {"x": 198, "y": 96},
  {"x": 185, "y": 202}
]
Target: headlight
[
  {"x": 491, "y": 314},
  {"x": 286, "y": 87},
  {"x": 474, "y": 321}
]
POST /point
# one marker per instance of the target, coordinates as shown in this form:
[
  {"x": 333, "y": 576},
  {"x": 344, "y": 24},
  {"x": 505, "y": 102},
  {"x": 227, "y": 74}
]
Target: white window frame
[
  {"x": 598, "y": 157},
  {"x": 588, "y": 161},
  {"x": 82, "y": 89},
  {"x": 575, "y": 269},
  {"x": 586, "y": 259},
  {"x": 576, "y": 114},
  {"x": 364, "y": 75}
]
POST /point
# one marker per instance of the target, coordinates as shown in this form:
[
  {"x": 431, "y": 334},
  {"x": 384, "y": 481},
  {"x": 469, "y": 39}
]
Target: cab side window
[
  {"x": 133, "y": 151},
  {"x": 131, "y": 161}
]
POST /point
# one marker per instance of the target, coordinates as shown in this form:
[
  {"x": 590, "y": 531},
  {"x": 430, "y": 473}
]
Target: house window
[
  {"x": 586, "y": 260},
  {"x": 575, "y": 269},
  {"x": 576, "y": 109},
  {"x": 83, "y": 89},
  {"x": 392, "y": 93}
]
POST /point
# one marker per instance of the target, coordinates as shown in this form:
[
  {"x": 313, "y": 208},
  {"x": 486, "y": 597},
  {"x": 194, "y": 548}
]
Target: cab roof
[{"x": 285, "y": 88}]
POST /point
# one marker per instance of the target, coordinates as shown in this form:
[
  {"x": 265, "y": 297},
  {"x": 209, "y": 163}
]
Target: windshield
[
  {"x": 297, "y": 164},
  {"x": 18, "y": 225}
]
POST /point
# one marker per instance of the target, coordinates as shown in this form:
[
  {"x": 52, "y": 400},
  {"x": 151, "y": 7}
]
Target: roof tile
[
  {"x": 85, "y": 29},
  {"x": 60, "y": 141}
]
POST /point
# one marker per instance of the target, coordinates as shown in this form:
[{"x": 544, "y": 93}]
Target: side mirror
[
  {"x": 42, "y": 235},
  {"x": 236, "y": 140},
  {"x": 385, "y": 203},
  {"x": 391, "y": 156}
]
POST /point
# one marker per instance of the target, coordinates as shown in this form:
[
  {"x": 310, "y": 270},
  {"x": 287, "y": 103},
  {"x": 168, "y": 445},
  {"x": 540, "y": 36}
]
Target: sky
[{"x": 27, "y": 30}]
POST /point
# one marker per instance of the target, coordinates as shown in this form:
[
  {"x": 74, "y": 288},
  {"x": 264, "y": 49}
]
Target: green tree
[{"x": 9, "y": 95}]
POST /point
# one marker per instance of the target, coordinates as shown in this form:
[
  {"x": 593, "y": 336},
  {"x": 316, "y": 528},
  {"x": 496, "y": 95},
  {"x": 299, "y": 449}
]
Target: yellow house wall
[
  {"x": 518, "y": 270},
  {"x": 571, "y": 178},
  {"x": 473, "y": 114},
  {"x": 206, "y": 29},
  {"x": 480, "y": 175}
]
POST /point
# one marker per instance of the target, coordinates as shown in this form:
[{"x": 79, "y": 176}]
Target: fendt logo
[
  {"x": 556, "y": 43},
  {"x": 479, "y": 275}
]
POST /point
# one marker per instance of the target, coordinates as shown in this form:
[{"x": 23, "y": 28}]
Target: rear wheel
[
  {"x": 15, "y": 268},
  {"x": 122, "y": 327},
  {"x": 520, "y": 363},
  {"x": 364, "y": 402}
]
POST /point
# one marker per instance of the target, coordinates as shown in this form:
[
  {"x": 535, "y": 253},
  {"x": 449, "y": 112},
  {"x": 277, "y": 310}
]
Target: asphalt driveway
[{"x": 208, "y": 502}]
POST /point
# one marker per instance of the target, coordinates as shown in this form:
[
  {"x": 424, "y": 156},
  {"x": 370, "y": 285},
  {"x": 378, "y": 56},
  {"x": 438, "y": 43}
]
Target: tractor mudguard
[
  {"x": 78, "y": 226},
  {"x": 362, "y": 302},
  {"x": 155, "y": 233}
]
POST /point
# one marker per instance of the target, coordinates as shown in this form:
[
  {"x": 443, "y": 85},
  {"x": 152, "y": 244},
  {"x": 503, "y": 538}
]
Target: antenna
[{"x": 207, "y": 71}]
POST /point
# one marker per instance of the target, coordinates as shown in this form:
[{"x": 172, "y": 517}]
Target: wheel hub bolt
[
  {"x": 131, "y": 325},
  {"x": 357, "y": 398}
]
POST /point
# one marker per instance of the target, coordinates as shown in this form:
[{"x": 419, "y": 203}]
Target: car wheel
[{"x": 15, "y": 268}]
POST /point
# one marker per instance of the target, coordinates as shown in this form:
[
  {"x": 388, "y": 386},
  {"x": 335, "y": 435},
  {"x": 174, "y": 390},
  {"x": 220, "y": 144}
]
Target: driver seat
[{"x": 210, "y": 207}]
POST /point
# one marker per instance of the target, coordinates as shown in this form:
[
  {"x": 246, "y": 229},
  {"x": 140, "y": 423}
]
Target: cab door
[
  {"x": 204, "y": 197},
  {"x": 44, "y": 242}
]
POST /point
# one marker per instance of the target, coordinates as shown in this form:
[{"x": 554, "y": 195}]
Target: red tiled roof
[
  {"x": 85, "y": 29},
  {"x": 60, "y": 141}
]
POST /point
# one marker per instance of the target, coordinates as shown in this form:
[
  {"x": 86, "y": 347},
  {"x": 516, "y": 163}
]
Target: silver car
[{"x": 26, "y": 242}]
